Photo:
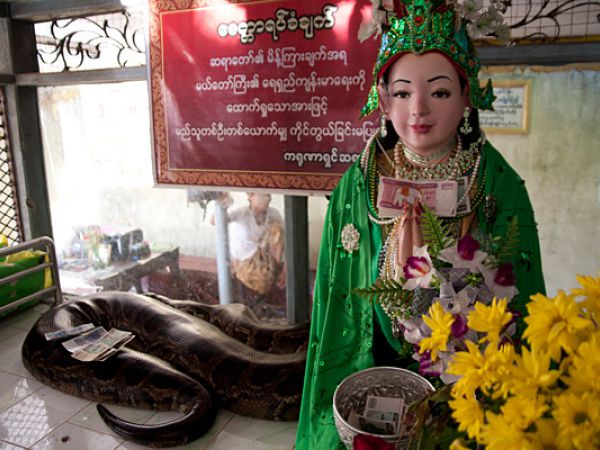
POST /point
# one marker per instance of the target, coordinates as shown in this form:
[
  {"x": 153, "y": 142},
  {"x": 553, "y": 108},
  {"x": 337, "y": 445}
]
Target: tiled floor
[{"x": 35, "y": 416}]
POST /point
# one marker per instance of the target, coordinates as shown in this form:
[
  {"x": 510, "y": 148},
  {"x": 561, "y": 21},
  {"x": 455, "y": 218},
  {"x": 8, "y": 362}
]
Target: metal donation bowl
[{"x": 353, "y": 391}]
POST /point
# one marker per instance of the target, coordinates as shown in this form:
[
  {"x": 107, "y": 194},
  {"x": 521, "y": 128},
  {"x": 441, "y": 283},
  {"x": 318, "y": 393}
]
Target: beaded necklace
[
  {"x": 470, "y": 163},
  {"x": 460, "y": 162},
  {"x": 369, "y": 169},
  {"x": 415, "y": 158}
]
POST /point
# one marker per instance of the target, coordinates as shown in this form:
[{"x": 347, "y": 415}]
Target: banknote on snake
[{"x": 186, "y": 357}]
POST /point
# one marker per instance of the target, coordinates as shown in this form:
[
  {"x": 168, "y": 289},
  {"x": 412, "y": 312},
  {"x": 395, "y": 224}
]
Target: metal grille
[
  {"x": 117, "y": 40},
  {"x": 10, "y": 225},
  {"x": 96, "y": 42},
  {"x": 551, "y": 20}
]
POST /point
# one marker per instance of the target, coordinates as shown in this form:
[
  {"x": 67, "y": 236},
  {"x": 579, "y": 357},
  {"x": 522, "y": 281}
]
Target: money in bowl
[{"x": 376, "y": 401}]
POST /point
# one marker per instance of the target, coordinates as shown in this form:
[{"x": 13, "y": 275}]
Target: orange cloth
[{"x": 262, "y": 270}]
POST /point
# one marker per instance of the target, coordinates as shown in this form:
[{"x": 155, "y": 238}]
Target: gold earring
[
  {"x": 383, "y": 126},
  {"x": 466, "y": 127}
]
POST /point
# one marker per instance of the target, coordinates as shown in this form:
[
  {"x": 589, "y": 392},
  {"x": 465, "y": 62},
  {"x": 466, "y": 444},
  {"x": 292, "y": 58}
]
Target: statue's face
[{"x": 423, "y": 100}]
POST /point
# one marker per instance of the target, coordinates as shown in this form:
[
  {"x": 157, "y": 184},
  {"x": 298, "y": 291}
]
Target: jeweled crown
[{"x": 418, "y": 26}]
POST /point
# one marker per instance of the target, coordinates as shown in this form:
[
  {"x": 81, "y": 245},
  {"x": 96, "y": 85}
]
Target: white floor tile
[
  {"x": 14, "y": 388},
  {"x": 128, "y": 445},
  {"x": 264, "y": 431},
  {"x": 25, "y": 319},
  {"x": 72, "y": 437},
  {"x": 7, "y": 446},
  {"x": 283, "y": 436},
  {"x": 7, "y": 331},
  {"x": 37, "y": 415},
  {"x": 227, "y": 441},
  {"x": 61, "y": 401},
  {"x": 10, "y": 357}
]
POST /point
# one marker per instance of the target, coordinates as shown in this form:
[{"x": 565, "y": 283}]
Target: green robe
[{"x": 341, "y": 334}]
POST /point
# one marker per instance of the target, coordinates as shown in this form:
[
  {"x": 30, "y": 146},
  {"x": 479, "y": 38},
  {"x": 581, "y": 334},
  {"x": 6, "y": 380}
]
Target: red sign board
[{"x": 259, "y": 94}]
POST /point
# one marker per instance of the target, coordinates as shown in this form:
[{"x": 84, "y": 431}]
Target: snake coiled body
[{"x": 177, "y": 361}]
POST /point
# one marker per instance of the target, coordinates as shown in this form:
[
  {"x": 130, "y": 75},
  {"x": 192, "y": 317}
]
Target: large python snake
[{"x": 186, "y": 357}]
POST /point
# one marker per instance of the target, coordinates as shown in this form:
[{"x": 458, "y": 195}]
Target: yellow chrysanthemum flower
[
  {"x": 489, "y": 319},
  {"x": 486, "y": 371},
  {"x": 521, "y": 411},
  {"x": 499, "y": 373},
  {"x": 553, "y": 324},
  {"x": 500, "y": 434},
  {"x": 590, "y": 289},
  {"x": 469, "y": 367},
  {"x": 457, "y": 444},
  {"x": 585, "y": 367},
  {"x": 550, "y": 393},
  {"x": 531, "y": 373},
  {"x": 578, "y": 418},
  {"x": 440, "y": 323},
  {"x": 469, "y": 414},
  {"x": 544, "y": 437}
]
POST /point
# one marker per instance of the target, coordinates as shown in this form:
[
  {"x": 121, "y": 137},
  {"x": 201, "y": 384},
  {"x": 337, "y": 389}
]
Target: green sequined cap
[{"x": 421, "y": 27}]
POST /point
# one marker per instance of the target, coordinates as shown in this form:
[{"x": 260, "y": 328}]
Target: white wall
[{"x": 560, "y": 161}]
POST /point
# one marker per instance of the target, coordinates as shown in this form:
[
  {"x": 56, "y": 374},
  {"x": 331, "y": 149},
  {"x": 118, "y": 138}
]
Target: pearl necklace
[
  {"x": 471, "y": 181},
  {"x": 460, "y": 162},
  {"x": 367, "y": 164},
  {"x": 415, "y": 158}
]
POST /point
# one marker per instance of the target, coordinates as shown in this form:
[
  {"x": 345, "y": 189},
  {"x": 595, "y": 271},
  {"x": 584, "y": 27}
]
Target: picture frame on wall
[{"x": 511, "y": 108}]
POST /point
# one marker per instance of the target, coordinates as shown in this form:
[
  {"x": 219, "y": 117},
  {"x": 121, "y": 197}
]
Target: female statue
[{"x": 427, "y": 90}]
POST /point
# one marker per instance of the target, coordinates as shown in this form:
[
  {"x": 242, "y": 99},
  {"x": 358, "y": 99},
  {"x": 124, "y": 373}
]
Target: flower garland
[{"x": 481, "y": 21}]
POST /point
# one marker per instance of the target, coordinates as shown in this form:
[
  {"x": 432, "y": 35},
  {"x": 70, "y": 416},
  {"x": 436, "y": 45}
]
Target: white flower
[
  {"x": 471, "y": 8},
  {"x": 503, "y": 34},
  {"x": 374, "y": 26},
  {"x": 464, "y": 255},
  {"x": 498, "y": 290},
  {"x": 494, "y": 17},
  {"x": 418, "y": 270},
  {"x": 486, "y": 23}
]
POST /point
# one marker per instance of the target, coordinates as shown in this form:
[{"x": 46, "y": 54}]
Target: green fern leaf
[
  {"x": 436, "y": 234},
  {"x": 509, "y": 243},
  {"x": 381, "y": 288},
  {"x": 389, "y": 294}
]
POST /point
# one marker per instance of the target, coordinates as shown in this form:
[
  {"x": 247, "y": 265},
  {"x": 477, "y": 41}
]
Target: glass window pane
[{"x": 115, "y": 230}]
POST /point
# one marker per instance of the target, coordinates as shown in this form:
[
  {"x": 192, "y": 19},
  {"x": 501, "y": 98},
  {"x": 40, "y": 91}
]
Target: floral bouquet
[
  {"x": 543, "y": 395},
  {"x": 540, "y": 390},
  {"x": 451, "y": 292}
]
